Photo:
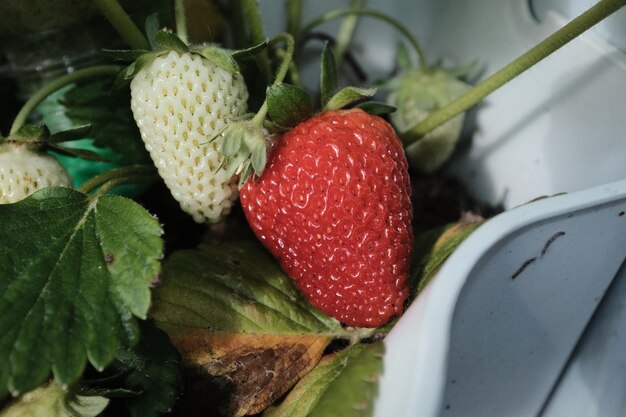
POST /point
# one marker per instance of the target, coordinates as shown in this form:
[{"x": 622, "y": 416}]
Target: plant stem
[
  {"x": 580, "y": 24},
  {"x": 124, "y": 25},
  {"x": 116, "y": 174},
  {"x": 252, "y": 18},
  {"x": 294, "y": 17},
  {"x": 109, "y": 185},
  {"x": 62, "y": 81},
  {"x": 282, "y": 70},
  {"x": 181, "y": 20},
  {"x": 346, "y": 31},
  {"x": 335, "y": 14}
]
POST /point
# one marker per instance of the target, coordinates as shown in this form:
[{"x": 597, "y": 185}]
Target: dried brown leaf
[{"x": 241, "y": 374}]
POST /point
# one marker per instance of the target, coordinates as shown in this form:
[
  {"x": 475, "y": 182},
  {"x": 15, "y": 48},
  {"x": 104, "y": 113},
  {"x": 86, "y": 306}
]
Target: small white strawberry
[
  {"x": 181, "y": 100},
  {"x": 24, "y": 169}
]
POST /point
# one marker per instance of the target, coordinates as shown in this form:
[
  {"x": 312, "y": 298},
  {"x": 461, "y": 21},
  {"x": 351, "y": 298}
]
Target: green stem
[
  {"x": 124, "y": 25},
  {"x": 580, "y": 24},
  {"x": 181, "y": 20},
  {"x": 109, "y": 185},
  {"x": 252, "y": 18},
  {"x": 336, "y": 14},
  {"x": 282, "y": 70},
  {"x": 116, "y": 174},
  {"x": 346, "y": 32},
  {"x": 294, "y": 17},
  {"x": 46, "y": 90}
]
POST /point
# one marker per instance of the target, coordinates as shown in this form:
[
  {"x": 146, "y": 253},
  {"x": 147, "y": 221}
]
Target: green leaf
[
  {"x": 220, "y": 57},
  {"x": 344, "y": 384},
  {"x": 240, "y": 325},
  {"x": 329, "y": 77},
  {"x": 110, "y": 117},
  {"x": 167, "y": 40},
  {"x": 433, "y": 247},
  {"x": 51, "y": 401},
  {"x": 235, "y": 287},
  {"x": 148, "y": 376},
  {"x": 347, "y": 96},
  {"x": 288, "y": 105},
  {"x": 74, "y": 274}
]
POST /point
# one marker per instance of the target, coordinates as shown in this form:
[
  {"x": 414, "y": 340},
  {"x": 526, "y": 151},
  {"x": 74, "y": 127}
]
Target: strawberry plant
[{"x": 282, "y": 308}]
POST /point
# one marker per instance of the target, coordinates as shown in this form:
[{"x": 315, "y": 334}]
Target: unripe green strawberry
[
  {"x": 24, "y": 170},
  {"x": 181, "y": 101},
  {"x": 416, "y": 94},
  {"x": 333, "y": 206}
]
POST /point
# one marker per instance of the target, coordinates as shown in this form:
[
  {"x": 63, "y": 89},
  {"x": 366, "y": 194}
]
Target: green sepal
[
  {"x": 376, "y": 108},
  {"x": 253, "y": 50},
  {"x": 167, "y": 40},
  {"x": 347, "y": 96},
  {"x": 78, "y": 153},
  {"x": 31, "y": 134},
  {"x": 232, "y": 142},
  {"x": 288, "y": 104},
  {"x": 245, "y": 174},
  {"x": 258, "y": 151},
  {"x": 152, "y": 27},
  {"x": 124, "y": 55},
  {"x": 220, "y": 57},
  {"x": 244, "y": 149},
  {"x": 328, "y": 77},
  {"x": 75, "y": 133},
  {"x": 133, "y": 69}
]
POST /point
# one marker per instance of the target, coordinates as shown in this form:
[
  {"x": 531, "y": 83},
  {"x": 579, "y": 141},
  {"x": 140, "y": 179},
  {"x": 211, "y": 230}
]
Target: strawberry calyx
[
  {"x": 246, "y": 142},
  {"x": 39, "y": 138},
  {"x": 165, "y": 41},
  {"x": 245, "y": 147}
]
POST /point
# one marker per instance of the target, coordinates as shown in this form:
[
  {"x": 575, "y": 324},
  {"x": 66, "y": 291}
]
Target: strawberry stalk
[
  {"x": 244, "y": 142},
  {"x": 181, "y": 20},
  {"x": 51, "y": 87},
  {"x": 294, "y": 17},
  {"x": 346, "y": 31},
  {"x": 282, "y": 71},
  {"x": 248, "y": 20},
  {"x": 115, "y": 177},
  {"x": 122, "y": 23},
  {"x": 336, "y": 14},
  {"x": 561, "y": 37}
]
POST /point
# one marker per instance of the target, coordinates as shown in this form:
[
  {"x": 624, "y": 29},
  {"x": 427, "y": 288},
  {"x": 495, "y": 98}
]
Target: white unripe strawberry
[
  {"x": 24, "y": 171},
  {"x": 180, "y": 102}
]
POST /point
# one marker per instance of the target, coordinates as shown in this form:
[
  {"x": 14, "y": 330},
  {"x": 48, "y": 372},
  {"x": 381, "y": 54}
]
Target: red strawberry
[{"x": 333, "y": 206}]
